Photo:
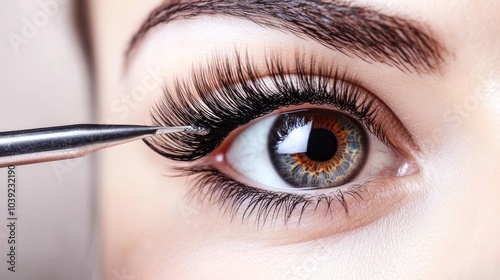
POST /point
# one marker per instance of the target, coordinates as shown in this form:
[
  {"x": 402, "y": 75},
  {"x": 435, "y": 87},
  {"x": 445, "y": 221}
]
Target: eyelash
[{"x": 239, "y": 96}]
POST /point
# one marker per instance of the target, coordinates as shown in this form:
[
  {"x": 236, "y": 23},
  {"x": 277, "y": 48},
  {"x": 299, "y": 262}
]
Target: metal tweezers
[{"x": 72, "y": 141}]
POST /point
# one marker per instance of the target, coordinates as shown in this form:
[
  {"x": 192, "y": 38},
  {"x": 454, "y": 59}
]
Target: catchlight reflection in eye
[{"x": 308, "y": 149}]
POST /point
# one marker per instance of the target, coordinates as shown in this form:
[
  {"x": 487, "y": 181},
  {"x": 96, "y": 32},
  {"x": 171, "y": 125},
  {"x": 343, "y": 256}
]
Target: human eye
[
  {"x": 256, "y": 162},
  {"x": 310, "y": 149}
]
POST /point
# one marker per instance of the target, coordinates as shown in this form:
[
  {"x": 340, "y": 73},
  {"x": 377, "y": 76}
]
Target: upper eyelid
[{"x": 359, "y": 31}]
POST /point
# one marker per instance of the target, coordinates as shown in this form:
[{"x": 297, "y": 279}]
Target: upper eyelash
[{"x": 239, "y": 96}]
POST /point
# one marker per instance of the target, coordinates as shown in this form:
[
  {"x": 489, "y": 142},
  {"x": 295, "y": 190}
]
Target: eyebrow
[{"x": 352, "y": 30}]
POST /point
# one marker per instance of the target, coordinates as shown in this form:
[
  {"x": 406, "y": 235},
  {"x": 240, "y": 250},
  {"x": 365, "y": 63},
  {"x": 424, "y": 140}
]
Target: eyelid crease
[{"x": 339, "y": 25}]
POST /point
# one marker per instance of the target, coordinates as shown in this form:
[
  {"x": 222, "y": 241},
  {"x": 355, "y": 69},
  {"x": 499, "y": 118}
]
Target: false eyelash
[
  {"x": 218, "y": 189},
  {"x": 225, "y": 95}
]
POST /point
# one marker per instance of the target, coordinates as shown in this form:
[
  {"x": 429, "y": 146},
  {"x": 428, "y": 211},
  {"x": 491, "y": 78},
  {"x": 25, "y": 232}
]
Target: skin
[{"x": 441, "y": 223}]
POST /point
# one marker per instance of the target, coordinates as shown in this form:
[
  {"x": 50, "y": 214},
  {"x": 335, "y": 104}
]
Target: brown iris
[{"x": 317, "y": 148}]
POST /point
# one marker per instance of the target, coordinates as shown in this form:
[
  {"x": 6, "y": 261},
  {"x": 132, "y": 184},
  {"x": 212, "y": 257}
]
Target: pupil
[{"x": 322, "y": 145}]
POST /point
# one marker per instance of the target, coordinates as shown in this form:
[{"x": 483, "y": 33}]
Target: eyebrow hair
[{"x": 351, "y": 30}]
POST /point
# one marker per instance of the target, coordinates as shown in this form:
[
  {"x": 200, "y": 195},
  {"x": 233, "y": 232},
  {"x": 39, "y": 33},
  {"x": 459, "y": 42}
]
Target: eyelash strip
[{"x": 224, "y": 96}]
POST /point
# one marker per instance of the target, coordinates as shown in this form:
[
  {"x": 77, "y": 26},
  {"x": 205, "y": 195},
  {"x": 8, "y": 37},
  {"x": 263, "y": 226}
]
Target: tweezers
[{"x": 72, "y": 141}]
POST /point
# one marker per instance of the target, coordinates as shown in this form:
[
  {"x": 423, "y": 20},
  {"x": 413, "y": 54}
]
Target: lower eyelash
[{"x": 239, "y": 200}]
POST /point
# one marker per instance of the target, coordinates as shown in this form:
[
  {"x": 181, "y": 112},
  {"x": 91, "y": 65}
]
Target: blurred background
[{"x": 45, "y": 81}]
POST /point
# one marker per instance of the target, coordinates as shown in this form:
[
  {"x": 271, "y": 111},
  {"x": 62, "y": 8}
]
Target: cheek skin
[
  {"x": 133, "y": 202},
  {"x": 464, "y": 213}
]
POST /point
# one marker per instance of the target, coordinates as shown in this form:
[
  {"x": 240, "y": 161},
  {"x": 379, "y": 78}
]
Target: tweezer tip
[{"x": 197, "y": 130}]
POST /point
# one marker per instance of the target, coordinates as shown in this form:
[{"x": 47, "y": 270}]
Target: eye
[
  {"x": 285, "y": 141},
  {"x": 311, "y": 148}
]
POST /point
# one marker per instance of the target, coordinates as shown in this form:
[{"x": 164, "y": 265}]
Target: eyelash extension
[{"x": 225, "y": 95}]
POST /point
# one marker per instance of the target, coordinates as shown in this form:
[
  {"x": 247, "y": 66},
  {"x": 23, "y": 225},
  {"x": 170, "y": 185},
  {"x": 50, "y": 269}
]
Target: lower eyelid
[
  {"x": 378, "y": 200},
  {"x": 375, "y": 199}
]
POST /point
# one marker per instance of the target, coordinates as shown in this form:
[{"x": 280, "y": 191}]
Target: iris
[{"x": 317, "y": 148}]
